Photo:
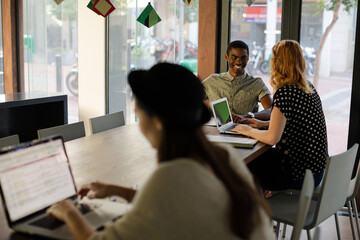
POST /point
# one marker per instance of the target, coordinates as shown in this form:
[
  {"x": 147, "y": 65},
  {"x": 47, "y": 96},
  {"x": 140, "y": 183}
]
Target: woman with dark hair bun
[{"x": 198, "y": 191}]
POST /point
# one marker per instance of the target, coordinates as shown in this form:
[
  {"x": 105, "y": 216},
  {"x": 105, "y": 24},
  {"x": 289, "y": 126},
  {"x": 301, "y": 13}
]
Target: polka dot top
[{"x": 303, "y": 144}]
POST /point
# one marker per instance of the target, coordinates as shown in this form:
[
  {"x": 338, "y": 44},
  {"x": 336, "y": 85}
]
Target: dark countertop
[{"x": 25, "y": 98}]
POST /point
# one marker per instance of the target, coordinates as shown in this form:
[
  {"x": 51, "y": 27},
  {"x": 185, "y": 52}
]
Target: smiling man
[{"x": 242, "y": 90}]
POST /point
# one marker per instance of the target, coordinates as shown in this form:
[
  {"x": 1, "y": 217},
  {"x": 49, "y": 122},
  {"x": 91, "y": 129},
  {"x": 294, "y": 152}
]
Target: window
[
  {"x": 50, "y": 50},
  {"x": 134, "y": 46},
  {"x": 259, "y": 26},
  {"x": 260, "y": 30},
  {"x": 336, "y": 66}
]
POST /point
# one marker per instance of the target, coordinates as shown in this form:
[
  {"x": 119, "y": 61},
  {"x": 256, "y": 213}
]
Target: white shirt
[{"x": 183, "y": 200}]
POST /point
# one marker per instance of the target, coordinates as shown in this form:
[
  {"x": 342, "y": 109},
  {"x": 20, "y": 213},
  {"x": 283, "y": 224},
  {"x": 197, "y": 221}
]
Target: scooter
[
  {"x": 190, "y": 51},
  {"x": 257, "y": 61},
  {"x": 165, "y": 50}
]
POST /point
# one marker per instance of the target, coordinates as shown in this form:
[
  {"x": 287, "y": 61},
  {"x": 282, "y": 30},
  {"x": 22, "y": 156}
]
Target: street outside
[{"x": 335, "y": 93}]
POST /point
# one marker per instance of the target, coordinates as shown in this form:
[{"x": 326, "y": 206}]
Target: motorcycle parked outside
[
  {"x": 165, "y": 50},
  {"x": 257, "y": 61},
  {"x": 72, "y": 79},
  {"x": 190, "y": 51}
]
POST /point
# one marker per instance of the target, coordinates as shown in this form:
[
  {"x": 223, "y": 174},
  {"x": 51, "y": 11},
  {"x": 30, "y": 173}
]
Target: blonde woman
[{"x": 297, "y": 125}]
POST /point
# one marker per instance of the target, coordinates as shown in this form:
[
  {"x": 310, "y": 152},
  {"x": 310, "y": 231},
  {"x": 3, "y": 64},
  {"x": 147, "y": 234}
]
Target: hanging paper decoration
[
  {"x": 58, "y": 1},
  {"x": 101, "y": 7},
  {"x": 249, "y": 2},
  {"x": 189, "y": 2},
  {"x": 149, "y": 17},
  {"x": 91, "y": 4}
]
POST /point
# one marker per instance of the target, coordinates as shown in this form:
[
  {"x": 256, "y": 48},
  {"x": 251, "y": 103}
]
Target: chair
[
  {"x": 333, "y": 194},
  {"x": 351, "y": 202},
  {"x": 106, "y": 122},
  {"x": 68, "y": 132},
  {"x": 303, "y": 206},
  {"x": 317, "y": 234},
  {"x": 10, "y": 140}
]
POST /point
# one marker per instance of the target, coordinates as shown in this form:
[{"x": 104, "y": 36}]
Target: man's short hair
[{"x": 237, "y": 44}]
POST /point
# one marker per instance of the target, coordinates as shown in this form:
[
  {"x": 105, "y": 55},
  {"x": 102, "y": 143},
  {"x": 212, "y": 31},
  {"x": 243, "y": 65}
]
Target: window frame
[{"x": 217, "y": 36}]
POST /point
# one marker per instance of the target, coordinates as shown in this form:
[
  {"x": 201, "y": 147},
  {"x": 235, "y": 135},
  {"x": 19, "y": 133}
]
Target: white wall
[
  {"x": 91, "y": 64},
  {"x": 326, "y": 52},
  {"x": 271, "y": 14},
  {"x": 338, "y": 50},
  {"x": 342, "y": 42}
]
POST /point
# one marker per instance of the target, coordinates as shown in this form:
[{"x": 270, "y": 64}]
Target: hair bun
[{"x": 171, "y": 92}]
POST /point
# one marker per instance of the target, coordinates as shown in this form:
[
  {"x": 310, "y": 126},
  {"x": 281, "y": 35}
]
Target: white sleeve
[
  {"x": 238, "y": 164},
  {"x": 144, "y": 217},
  {"x": 265, "y": 230}
]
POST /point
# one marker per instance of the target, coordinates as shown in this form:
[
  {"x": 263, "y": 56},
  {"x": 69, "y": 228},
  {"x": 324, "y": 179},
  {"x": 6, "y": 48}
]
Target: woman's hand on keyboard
[
  {"x": 242, "y": 128},
  {"x": 94, "y": 190},
  {"x": 61, "y": 210},
  {"x": 67, "y": 212}
]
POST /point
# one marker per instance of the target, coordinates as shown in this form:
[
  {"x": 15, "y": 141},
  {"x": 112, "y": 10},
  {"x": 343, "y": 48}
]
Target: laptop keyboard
[
  {"x": 85, "y": 208},
  {"x": 47, "y": 222},
  {"x": 230, "y": 127},
  {"x": 51, "y": 223}
]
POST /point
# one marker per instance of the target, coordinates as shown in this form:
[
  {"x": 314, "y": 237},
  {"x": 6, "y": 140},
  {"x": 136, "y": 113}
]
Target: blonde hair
[{"x": 288, "y": 66}]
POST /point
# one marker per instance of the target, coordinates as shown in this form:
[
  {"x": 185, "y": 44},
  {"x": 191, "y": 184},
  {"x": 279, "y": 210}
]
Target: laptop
[
  {"x": 34, "y": 176},
  {"x": 222, "y": 116}
]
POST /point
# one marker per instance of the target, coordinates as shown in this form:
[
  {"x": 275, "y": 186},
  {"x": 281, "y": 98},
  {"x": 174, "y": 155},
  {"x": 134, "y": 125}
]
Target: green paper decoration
[
  {"x": 91, "y": 4},
  {"x": 58, "y": 1},
  {"x": 189, "y": 2},
  {"x": 149, "y": 17}
]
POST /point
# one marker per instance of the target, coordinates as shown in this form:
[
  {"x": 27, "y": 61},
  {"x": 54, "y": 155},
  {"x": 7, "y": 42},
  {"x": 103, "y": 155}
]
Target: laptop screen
[
  {"x": 35, "y": 177},
  {"x": 222, "y": 114}
]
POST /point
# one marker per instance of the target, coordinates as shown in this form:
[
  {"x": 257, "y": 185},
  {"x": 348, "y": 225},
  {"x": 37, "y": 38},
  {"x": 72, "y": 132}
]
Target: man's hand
[
  {"x": 237, "y": 118},
  {"x": 255, "y": 123}
]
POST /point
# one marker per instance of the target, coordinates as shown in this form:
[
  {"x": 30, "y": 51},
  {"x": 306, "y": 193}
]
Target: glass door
[{"x": 50, "y": 50}]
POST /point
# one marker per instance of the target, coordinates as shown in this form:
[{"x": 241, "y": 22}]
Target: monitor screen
[
  {"x": 42, "y": 178},
  {"x": 222, "y": 114},
  {"x": 25, "y": 113}
]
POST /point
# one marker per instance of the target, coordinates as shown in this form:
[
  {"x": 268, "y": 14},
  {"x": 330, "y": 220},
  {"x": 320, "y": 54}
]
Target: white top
[{"x": 182, "y": 200}]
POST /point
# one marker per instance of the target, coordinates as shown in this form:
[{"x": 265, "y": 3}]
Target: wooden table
[
  {"x": 247, "y": 155},
  {"x": 119, "y": 156}
]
